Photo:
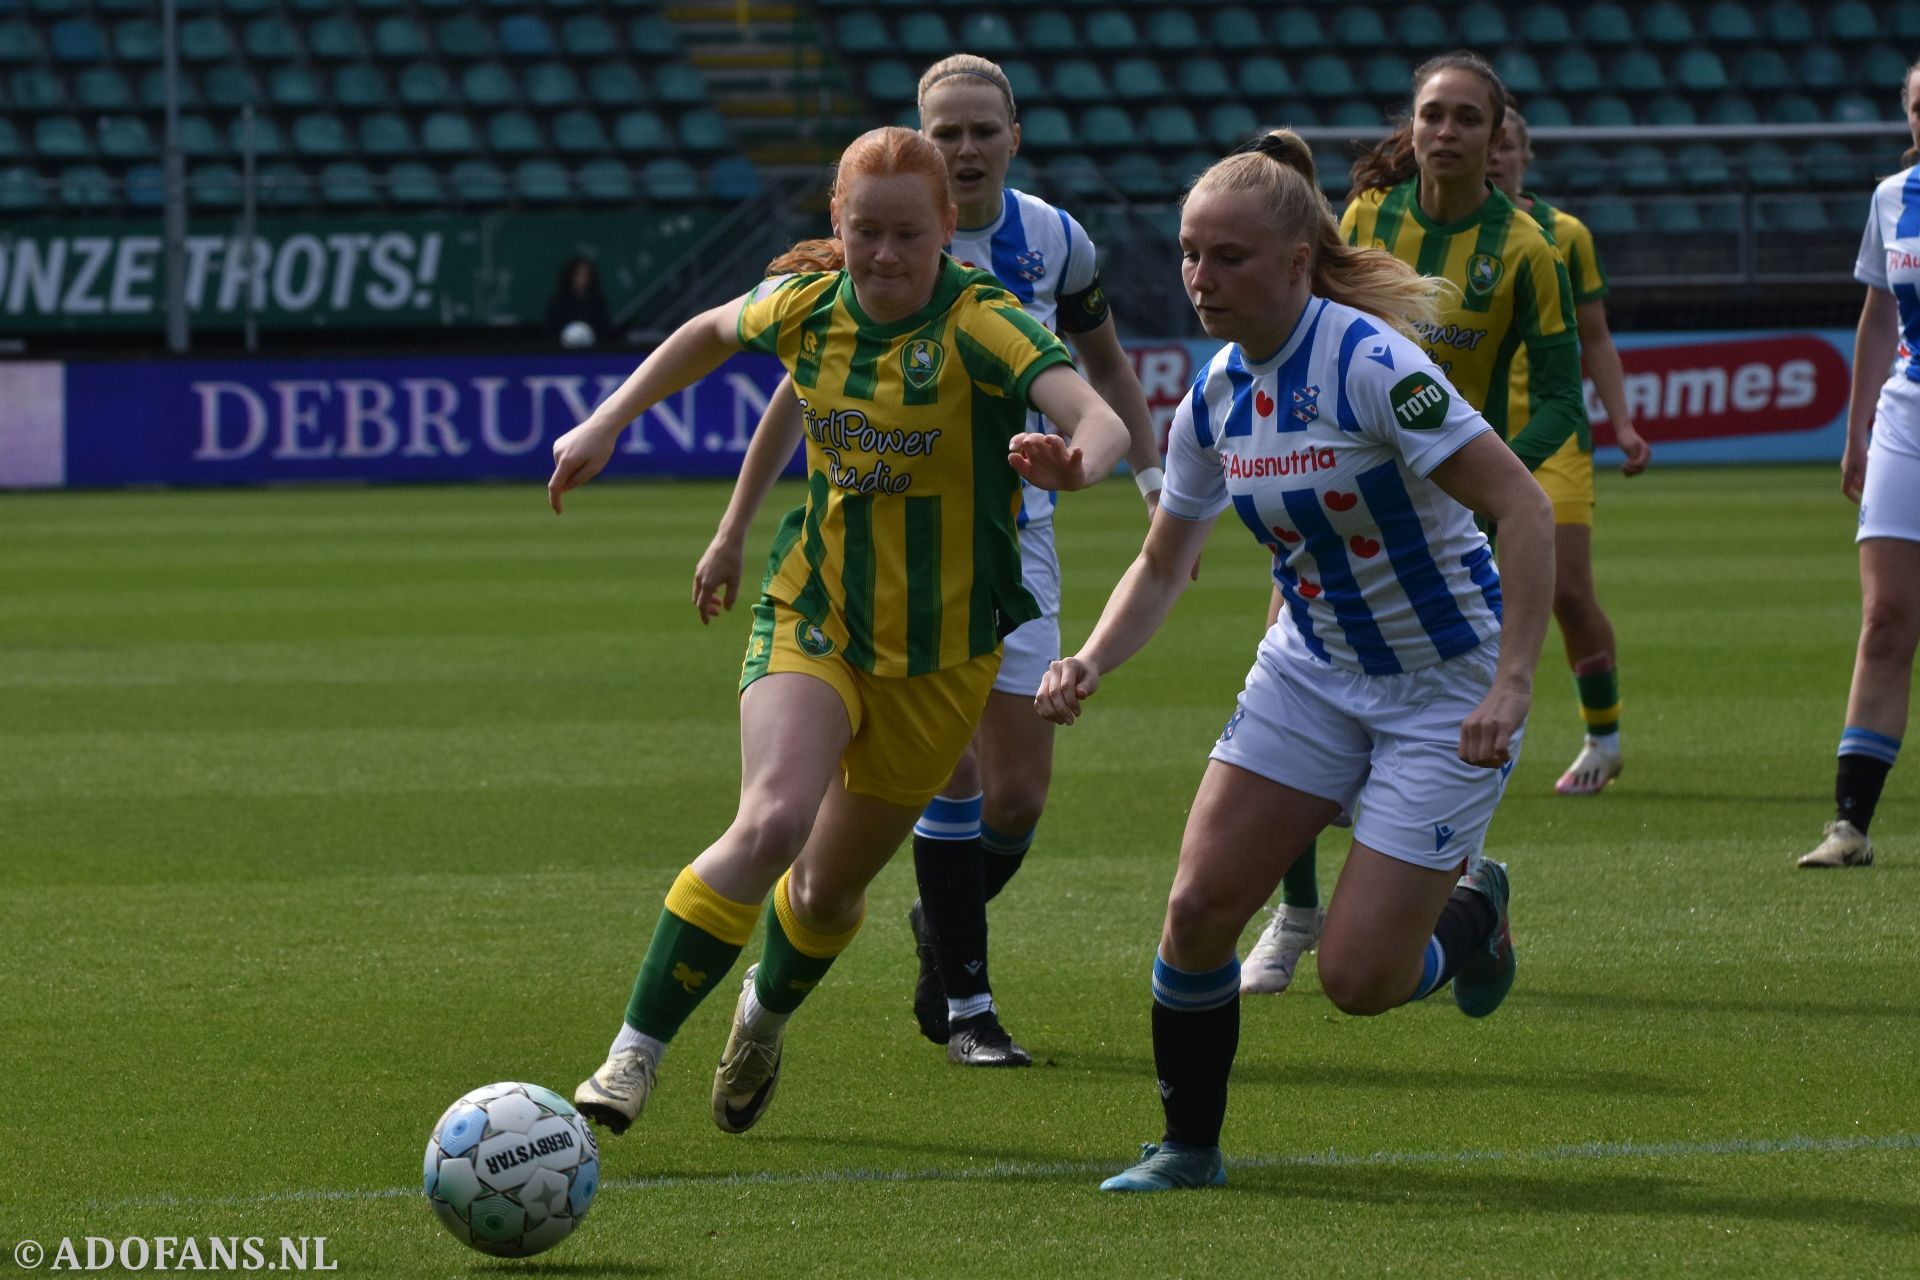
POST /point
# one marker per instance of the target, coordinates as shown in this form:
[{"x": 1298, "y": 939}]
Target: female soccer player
[
  {"x": 1881, "y": 471},
  {"x": 1393, "y": 679},
  {"x": 1568, "y": 475},
  {"x": 968, "y": 844},
  {"x": 878, "y": 629},
  {"x": 1422, "y": 195}
]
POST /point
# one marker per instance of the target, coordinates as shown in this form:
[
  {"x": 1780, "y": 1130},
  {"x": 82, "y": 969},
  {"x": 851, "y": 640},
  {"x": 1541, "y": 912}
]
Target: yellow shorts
[
  {"x": 1568, "y": 479},
  {"x": 908, "y": 731}
]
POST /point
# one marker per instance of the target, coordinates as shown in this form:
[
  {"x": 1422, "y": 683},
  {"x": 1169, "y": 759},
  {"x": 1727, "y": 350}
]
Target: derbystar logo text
[
  {"x": 501, "y": 1161},
  {"x": 1299, "y": 462}
]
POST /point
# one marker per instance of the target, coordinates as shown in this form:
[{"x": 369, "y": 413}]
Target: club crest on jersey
[
  {"x": 1306, "y": 403},
  {"x": 1030, "y": 266},
  {"x": 1419, "y": 402},
  {"x": 1483, "y": 272},
  {"x": 920, "y": 362},
  {"x": 813, "y": 642}
]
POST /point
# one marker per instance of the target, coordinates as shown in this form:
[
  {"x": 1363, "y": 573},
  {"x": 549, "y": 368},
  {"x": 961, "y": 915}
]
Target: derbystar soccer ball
[{"x": 511, "y": 1169}]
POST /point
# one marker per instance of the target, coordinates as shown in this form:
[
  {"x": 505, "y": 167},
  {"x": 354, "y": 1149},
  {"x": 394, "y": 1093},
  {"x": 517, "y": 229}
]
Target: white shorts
[
  {"x": 1388, "y": 744},
  {"x": 1890, "y": 500},
  {"x": 1033, "y": 646}
]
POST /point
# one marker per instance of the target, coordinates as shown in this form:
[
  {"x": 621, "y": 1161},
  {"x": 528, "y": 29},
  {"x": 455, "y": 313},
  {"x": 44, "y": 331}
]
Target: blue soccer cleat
[
  {"x": 1486, "y": 975},
  {"x": 1166, "y": 1167}
]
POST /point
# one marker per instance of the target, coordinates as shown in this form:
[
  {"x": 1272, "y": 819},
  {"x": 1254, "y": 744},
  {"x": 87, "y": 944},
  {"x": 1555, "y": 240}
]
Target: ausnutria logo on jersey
[{"x": 1299, "y": 462}]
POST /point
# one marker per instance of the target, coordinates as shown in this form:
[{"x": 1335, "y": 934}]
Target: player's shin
[
  {"x": 794, "y": 958},
  {"x": 699, "y": 936},
  {"x": 1196, "y": 1032}
]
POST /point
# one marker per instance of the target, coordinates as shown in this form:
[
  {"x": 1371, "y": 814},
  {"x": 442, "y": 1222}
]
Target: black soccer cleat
[
  {"x": 929, "y": 993},
  {"x": 981, "y": 1041}
]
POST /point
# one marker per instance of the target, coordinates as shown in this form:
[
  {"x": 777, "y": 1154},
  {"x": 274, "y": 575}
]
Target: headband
[{"x": 1005, "y": 92}]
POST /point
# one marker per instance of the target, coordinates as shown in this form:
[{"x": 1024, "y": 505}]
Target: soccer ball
[{"x": 511, "y": 1169}]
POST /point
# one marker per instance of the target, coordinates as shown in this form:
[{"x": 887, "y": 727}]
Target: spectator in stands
[
  {"x": 877, "y": 633},
  {"x": 1881, "y": 471},
  {"x": 969, "y": 844},
  {"x": 577, "y": 311},
  {"x": 1422, "y": 195},
  {"x": 1327, "y": 430},
  {"x": 1568, "y": 475}
]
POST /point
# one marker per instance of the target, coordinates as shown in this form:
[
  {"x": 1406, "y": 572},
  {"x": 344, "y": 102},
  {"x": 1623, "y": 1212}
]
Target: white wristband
[{"x": 1149, "y": 480}]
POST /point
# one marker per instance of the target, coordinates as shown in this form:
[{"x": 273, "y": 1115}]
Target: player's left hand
[
  {"x": 1067, "y": 683},
  {"x": 1486, "y": 735},
  {"x": 1635, "y": 446},
  {"x": 1047, "y": 461}
]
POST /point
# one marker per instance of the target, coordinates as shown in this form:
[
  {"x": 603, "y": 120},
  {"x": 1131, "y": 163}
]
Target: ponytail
[{"x": 809, "y": 255}]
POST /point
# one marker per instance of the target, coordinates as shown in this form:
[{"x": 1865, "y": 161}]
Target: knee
[
  {"x": 1016, "y": 808},
  {"x": 773, "y": 830},
  {"x": 1355, "y": 988},
  {"x": 1203, "y": 919},
  {"x": 823, "y": 902},
  {"x": 1888, "y": 630}
]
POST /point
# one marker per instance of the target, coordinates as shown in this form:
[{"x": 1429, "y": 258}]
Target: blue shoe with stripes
[
  {"x": 1166, "y": 1167},
  {"x": 1486, "y": 974}
]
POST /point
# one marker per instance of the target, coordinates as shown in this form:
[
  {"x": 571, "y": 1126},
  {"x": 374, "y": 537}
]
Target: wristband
[{"x": 1150, "y": 480}]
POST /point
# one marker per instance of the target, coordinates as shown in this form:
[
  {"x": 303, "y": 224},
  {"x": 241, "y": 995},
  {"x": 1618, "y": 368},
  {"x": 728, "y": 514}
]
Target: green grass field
[{"x": 319, "y": 808}]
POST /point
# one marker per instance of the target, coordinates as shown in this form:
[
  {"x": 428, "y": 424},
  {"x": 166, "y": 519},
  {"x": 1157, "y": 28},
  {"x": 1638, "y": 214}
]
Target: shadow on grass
[
  {"x": 1639, "y": 1002},
  {"x": 1320, "y": 1074},
  {"x": 610, "y": 1270}
]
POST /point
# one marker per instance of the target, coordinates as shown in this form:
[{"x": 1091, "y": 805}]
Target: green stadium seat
[
  {"x": 10, "y": 145},
  {"x": 336, "y": 39},
  {"x": 135, "y": 40},
  {"x": 233, "y": 86},
  {"x": 247, "y": 7},
  {"x": 477, "y": 182},
  {"x": 1637, "y": 71},
  {"x": 271, "y": 39},
  {"x": 1357, "y": 28},
  {"x": 1821, "y": 67},
  {"x": 1387, "y": 75},
  {"x": 1139, "y": 80},
  {"x": 125, "y": 138},
  {"x": 1788, "y": 25},
  {"x": 1112, "y": 31},
  {"x": 1075, "y": 178},
  {"x": 465, "y": 37},
  {"x": 397, "y": 37},
  {"x": 1108, "y": 127},
  {"x": 681, "y": 84},
  {"x": 214, "y": 186},
  {"x": 268, "y": 139},
  {"x": 1903, "y": 23},
  {"x": 76, "y": 40},
  {"x": 1575, "y": 71},
  {"x": 1853, "y": 108},
  {"x": 102, "y": 89},
  {"x": 1295, "y": 114},
  {"x": 925, "y": 34},
  {"x": 1608, "y": 216},
  {"x": 552, "y": 85},
  {"x": 988, "y": 34},
  {"x": 526, "y": 35},
  {"x": 1666, "y": 109},
  {"x": 36, "y": 89},
  {"x": 669, "y": 180},
  {"x": 615, "y": 84},
  {"x": 1051, "y": 31},
  {"x": 386, "y": 133},
  {"x": 1174, "y": 31},
  {"x": 1795, "y": 215},
  {"x": 205, "y": 40},
  {"x": 22, "y": 190},
  {"x": 1665, "y": 22},
  {"x": 360, "y": 86},
  {"x": 1767, "y": 165},
  {"x": 1079, "y": 81},
  {"x": 1420, "y": 27},
  {"x": 313, "y": 6},
  {"x": 733, "y": 178},
  {"x": 1580, "y": 168},
  {"x": 348, "y": 184},
  {"x": 1607, "y": 26},
  {"x": 1881, "y": 66},
  {"x": 579, "y": 133},
  {"x": 1548, "y": 113},
  {"x": 198, "y": 138},
  {"x": 320, "y": 133},
  {"x": 1700, "y": 70},
  {"x": 380, "y": 6},
  {"x": 1029, "y": 86},
  {"x": 448, "y": 133},
  {"x": 1762, "y": 71},
  {"x": 1230, "y": 124},
  {"x": 1829, "y": 163},
  {"x": 858, "y": 34},
  {"x": 293, "y": 88},
  {"x": 653, "y": 36},
  {"x": 1181, "y": 171},
  {"x": 20, "y": 43},
  {"x": 1046, "y": 129},
  {"x": 87, "y": 186},
  {"x": 1605, "y": 111},
  {"x": 1326, "y": 75},
  {"x": 414, "y": 185},
  {"x": 1483, "y": 27},
  {"x": 514, "y": 133},
  {"x": 703, "y": 131},
  {"x": 1545, "y": 26},
  {"x": 1674, "y": 217},
  {"x": 1848, "y": 212},
  {"x": 1298, "y": 30},
  {"x": 1139, "y": 175},
  {"x": 1236, "y": 28},
  {"x": 1729, "y": 22},
  {"x": 1724, "y": 215},
  {"x": 542, "y": 182},
  {"x": 284, "y": 186},
  {"x": 1852, "y": 22},
  {"x": 1264, "y": 77},
  {"x": 605, "y": 181},
  {"x": 1171, "y": 125},
  {"x": 1793, "y": 108},
  {"x": 488, "y": 84},
  {"x": 1356, "y": 113},
  {"x": 1203, "y": 79},
  {"x": 1519, "y": 71},
  {"x": 425, "y": 84},
  {"x": 588, "y": 35},
  {"x": 641, "y": 132},
  {"x": 1644, "y": 167},
  {"x": 1021, "y": 175}
]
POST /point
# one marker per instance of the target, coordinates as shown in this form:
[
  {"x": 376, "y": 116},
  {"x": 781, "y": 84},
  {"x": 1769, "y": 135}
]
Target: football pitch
[{"x": 321, "y": 807}]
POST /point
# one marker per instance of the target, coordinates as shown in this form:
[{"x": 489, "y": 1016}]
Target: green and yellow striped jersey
[
  {"x": 906, "y": 553},
  {"x": 1514, "y": 291},
  {"x": 1575, "y": 242}
]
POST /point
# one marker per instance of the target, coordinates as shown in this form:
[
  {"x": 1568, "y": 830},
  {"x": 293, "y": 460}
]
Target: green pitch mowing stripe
[{"x": 320, "y": 807}]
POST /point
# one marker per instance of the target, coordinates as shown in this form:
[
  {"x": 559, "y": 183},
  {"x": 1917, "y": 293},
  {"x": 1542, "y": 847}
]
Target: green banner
[{"x": 364, "y": 272}]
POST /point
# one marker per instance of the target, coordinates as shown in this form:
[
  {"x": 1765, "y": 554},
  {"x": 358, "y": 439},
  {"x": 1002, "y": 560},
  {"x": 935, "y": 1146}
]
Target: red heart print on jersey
[
  {"x": 1364, "y": 547},
  {"x": 1309, "y": 589},
  {"x": 1263, "y": 404},
  {"x": 1341, "y": 501},
  {"x": 1285, "y": 535}
]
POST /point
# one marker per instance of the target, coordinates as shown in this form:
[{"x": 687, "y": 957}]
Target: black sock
[
  {"x": 1005, "y": 853},
  {"x": 1193, "y": 1055},
  {"x": 1856, "y": 789},
  {"x": 954, "y": 899},
  {"x": 998, "y": 869},
  {"x": 1464, "y": 924}
]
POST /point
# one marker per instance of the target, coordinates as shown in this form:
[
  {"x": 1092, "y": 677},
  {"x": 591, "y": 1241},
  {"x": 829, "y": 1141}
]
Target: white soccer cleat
[
  {"x": 1597, "y": 765},
  {"x": 1290, "y": 934},
  {"x": 1844, "y": 845},
  {"x": 615, "y": 1095},
  {"x": 749, "y": 1070}
]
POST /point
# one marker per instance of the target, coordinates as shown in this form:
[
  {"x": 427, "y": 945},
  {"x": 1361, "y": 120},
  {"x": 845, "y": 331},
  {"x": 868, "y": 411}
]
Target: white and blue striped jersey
[
  {"x": 1890, "y": 259},
  {"x": 1041, "y": 255},
  {"x": 1323, "y": 451}
]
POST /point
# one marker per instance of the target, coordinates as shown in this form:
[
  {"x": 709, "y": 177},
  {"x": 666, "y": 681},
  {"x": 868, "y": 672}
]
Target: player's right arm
[
  {"x": 1875, "y": 340},
  {"x": 716, "y": 578},
  {"x": 1553, "y": 354},
  {"x": 689, "y": 354}
]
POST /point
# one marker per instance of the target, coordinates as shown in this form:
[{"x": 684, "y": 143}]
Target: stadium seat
[
  {"x": 1606, "y": 25},
  {"x": 1762, "y": 71},
  {"x": 1766, "y": 165},
  {"x": 1733, "y": 108},
  {"x": 588, "y": 35},
  {"x": 1903, "y": 23},
  {"x": 1387, "y": 75},
  {"x": 1355, "y": 113},
  {"x": 605, "y": 181},
  {"x": 87, "y": 186},
  {"x": 733, "y": 178},
  {"x": 1235, "y": 28},
  {"x": 1788, "y": 25},
  {"x": 125, "y": 138},
  {"x": 1230, "y": 124},
  {"x": 1139, "y": 80},
  {"x": 1483, "y": 27},
  {"x": 1610, "y": 216},
  {"x": 1605, "y": 111},
  {"x": 1174, "y": 31},
  {"x": 680, "y": 84},
  {"x": 36, "y": 89},
  {"x": 336, "y": 40},
  {"x": 891, "y": 82},
  {"x": 1795, "y": 215},
  {"x": 1881, "y": 66},
  {"x": 464, "y": 37},
  {"x": 1665, "y": 23},
  {"x": 1021, "y": 175},
  {"x": 1051, "y": 31},
  {"x": 361, "y": 86},
  {"x": 397, "y": 37},
  {"x": 1666, "y": 109},
  {"x": 989, "y": 34},
  {"x": 1108, "y": 127},
  {"x": 1075, "y": 178},
  {"x": 285, "y": 186},
  {"x": 1829, "y": 163},
  {"x": 1729, "y": 23},
  {"x": 615, "y": 84},
  {"x": 1203, "y": 79},
  {"x": 1169, "y": 126},
  {"x": 1519, "y": 71},
  {"x": 76, "y": 40},
  {"x": 579, "y": 133},
  {"x": 704, "y": 132},
  {"x": 488, "y": 84},
  {"x": 1419, "y": 27},
  {"x": 1112, "y": 31},
  {"x": 1298, "y": 30},
  {"x": 1580, "y": 168},
  {"x": 146, "y": 186},
  {"x": 1045, "y": 129},
  {"x": 1356, "y": 27},
  {"x": 10, "y": 145},
  {"x": 1264, "y": 78},
  {"x": 669, "y": 180},
  {"x": 925, "y": 34},
  {"x": 1080, "y": 82},
  {"x": 1138, "y": 174},
  {"x": 1643, "y": 167},
  {"x": 1326, "y": 75},
  {"x": 1674, "y": 217},
  {"x": 1545, "y": 26},
  {"x": 653, "y": 36},
  {"x": 347, "y": 184},
  {"x": 1575, "y": 71},
  {"x": 233, "y": 86},
  {"x": 1793, "y": 108},
  {"x": 320, "y": 133},
  {"x": 552, "y": 85},
  {"x": 102, "y": 89},
  {"x": 205, "y": 40},
  {"x": 1852, "y": 22},
  {"x": 386, "y": 134},
  {"x": 21, "y": 190},
  {"x": 477, "y": 182},
  {"x": 514, "y": 133},
  {"x": 526, "y": 35},
  {"x": 267, "y": 140},
  {"x": 293, "y": 88},
  {"x": 20, "y": 43},
  {"x": 542, "y": 181},
  {"x": 214, "y": 186},
  {"x": 1700, "y": 70},
  {"x": 1853, "y": 108},
  {"x": 1637, "y": 71},
  {"x": 135, "y": 40},
  {"x": 1821, "y": 67},
  {"x": 641, "y": 132},
  {"x": 414, "y": 185},
  {"x": 1029, "y": 86},
  {"x": 448, "y": 133},
  {"x": 1548, "y": 113},
  {"x": 425, "y": 84}
]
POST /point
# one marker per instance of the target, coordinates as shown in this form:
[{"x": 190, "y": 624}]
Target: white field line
[{"x": 1093, "y": 1168}]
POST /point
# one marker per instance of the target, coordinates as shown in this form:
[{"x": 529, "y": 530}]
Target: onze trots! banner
[{"x": 1725, "y": 397}]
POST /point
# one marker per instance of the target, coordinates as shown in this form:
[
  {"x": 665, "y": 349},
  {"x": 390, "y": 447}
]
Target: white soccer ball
[
  {"x": 576, "y": 335},
  {"x": 511, "y": 1169}
]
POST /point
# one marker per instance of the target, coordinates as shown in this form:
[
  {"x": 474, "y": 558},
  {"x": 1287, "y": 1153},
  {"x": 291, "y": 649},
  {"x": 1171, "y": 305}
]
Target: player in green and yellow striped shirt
[
  {"x": 1568, "y": 476},
  {"x": 877, "y": 634}
]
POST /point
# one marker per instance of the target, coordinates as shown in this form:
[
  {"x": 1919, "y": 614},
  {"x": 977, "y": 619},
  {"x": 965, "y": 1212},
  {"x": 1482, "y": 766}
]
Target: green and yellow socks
[{"x": 1597, "y": 681}]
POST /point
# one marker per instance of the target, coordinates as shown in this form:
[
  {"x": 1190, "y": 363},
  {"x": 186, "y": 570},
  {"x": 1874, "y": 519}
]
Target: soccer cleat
[
  {"x": 616, "y": 1094},
  {"x": 1486, "y": 973},
  {"x": 1290, "y": 934},
  {"x": 1844, "y": 845},
  {"x": 1597, "y": 765},
  {"x": 982, "y": 1042},
  {"x": 1165, "y": 1167},
  {"x": 749, "y": 1070},
  {"x": 929, "y": 993}
]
